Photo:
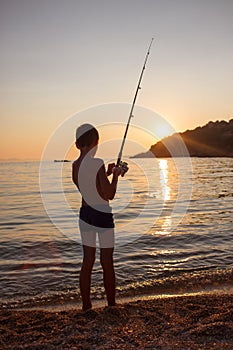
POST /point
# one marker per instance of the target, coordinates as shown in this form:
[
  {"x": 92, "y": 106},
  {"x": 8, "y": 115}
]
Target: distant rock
[
  {"x": 214, "y": 139},
  {"x": 62, "y": 160}
]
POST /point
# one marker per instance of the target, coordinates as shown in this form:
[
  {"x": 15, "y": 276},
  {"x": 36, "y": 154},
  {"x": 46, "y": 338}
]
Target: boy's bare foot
[
  {"x": 111, "y": 304},
  {"x": 87, "y": 307}
]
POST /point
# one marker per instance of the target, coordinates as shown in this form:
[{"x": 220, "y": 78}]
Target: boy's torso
[{"x": 85, "y": 177}]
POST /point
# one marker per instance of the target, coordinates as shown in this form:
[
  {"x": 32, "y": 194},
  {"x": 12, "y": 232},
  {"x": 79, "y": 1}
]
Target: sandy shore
[{"x": 184, "y": 322}]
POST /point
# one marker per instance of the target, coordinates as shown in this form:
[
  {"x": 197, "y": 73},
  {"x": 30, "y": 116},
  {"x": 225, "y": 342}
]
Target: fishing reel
[{"x": 124, "y": 167}]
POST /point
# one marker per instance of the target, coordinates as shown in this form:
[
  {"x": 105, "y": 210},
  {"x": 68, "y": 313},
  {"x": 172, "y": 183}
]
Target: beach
[
  {"x": 203, "y": 321},
  {"x": 174, "y": 288}
]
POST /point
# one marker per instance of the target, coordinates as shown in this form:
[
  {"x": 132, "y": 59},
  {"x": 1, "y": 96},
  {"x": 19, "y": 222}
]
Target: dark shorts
[{"x": 96, "y": 218}]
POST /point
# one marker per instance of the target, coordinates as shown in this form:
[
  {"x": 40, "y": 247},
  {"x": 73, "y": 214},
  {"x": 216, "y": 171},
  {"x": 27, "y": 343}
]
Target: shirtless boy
[{"x": 95, "y": 216}]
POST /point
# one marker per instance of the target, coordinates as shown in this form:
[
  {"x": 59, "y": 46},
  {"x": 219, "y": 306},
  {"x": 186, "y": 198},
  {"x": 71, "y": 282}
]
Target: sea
[{"x": 173, "y": 231}]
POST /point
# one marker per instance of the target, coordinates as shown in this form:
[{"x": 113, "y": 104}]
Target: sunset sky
[{"x": 59, "y": 57}]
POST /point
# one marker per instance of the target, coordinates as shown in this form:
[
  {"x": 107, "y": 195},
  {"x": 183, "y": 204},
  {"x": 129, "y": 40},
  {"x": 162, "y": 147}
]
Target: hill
[{"x": 214, "y": 139}]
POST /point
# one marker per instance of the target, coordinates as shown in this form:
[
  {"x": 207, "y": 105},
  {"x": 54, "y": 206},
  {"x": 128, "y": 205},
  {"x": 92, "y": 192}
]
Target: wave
[{"x": 185, "y": 283}]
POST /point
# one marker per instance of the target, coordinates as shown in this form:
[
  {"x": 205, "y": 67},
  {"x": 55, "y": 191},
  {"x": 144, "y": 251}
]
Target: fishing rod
[{"x": 132, "y": 108}]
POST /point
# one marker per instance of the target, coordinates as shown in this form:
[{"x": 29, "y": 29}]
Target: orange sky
[{"x": 58, "y": 58}]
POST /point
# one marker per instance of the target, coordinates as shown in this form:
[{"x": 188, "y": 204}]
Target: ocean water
[{"x": 174, "y": 231}]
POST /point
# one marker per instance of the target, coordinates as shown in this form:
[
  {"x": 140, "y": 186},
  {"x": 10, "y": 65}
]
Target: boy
[{"x": 95, "y": 216}]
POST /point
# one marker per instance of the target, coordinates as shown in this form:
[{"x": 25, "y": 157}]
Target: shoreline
[
  {"x": 67, "y": 305},
  {"x": 198, "y": 321}
]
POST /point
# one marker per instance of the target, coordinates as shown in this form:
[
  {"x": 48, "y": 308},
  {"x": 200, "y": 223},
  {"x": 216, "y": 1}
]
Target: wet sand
[{"x": 182, "y": 322}]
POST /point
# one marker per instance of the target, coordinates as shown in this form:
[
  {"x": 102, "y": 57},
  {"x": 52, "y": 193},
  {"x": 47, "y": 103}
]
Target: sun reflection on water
[
  {"x": 163, "y": 166},
  {"x": 166, "y": 221},
  {"x": 165, "y": 225}
]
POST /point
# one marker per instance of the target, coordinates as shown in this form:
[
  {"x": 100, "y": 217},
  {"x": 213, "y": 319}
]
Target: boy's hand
[
  {"x": 117, "y": 171},
  {"x": 120, "y": 170},
  {"x": 111, "y": 166},
  {"x": 124, "y": 168}
]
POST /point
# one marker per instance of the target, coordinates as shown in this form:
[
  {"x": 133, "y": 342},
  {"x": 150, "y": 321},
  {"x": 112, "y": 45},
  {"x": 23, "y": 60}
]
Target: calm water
[{"x": 174, "y": 231}]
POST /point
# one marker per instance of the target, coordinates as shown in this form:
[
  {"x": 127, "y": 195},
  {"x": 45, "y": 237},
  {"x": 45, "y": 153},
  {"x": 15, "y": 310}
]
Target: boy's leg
[
  {"x": 106, "y": 259},
  {"x": 85, "y": 275}
]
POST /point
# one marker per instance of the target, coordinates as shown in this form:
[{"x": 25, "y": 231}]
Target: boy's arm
[
  {"x": 107, "y": 188},
  {"x": 75, "y": 174}
]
